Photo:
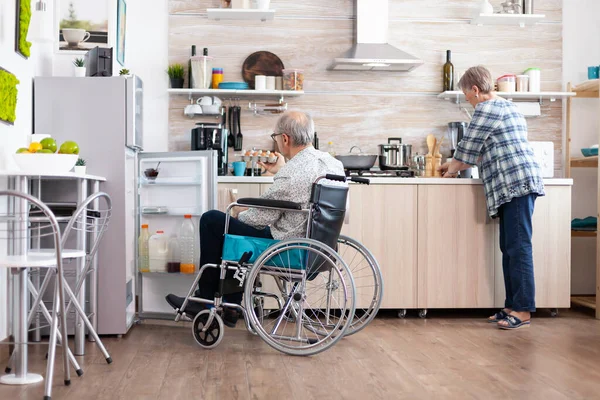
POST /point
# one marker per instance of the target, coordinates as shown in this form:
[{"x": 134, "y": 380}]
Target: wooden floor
[{"x": 448, "y": 356}]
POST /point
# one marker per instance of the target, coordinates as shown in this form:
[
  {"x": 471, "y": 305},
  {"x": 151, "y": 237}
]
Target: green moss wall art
[
  {"x": 22, "y": 46},
  {"x": 8, "y": 97}
]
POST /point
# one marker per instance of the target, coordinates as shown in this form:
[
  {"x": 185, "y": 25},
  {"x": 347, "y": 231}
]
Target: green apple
[
  {"x": 69, "y": 147},
  {"x": 49, "y": 144},
  {"x": 23, "y": 150},
  {"x": 45, "y": 151}
]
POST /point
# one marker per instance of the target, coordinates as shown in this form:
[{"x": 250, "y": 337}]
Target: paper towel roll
[{"x": 529, "y": 109}]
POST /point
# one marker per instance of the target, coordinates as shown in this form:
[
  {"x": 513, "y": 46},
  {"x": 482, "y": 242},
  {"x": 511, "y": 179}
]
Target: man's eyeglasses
[{"x": 274, "y": 135}]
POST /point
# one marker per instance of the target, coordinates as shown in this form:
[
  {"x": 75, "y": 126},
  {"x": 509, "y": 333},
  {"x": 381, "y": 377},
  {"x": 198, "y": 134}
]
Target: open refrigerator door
[{"x": 170, "y": 186}]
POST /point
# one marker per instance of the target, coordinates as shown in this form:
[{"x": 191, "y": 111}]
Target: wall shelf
[
  {"x": 521, "y": 20},
  {"x": 231, "y": 93},
  {"x": 458, "y": 96},
  {"x": 217, "y": 14},
  {"x": 584, "y": 162},
  {"x": 588, "y": 89},
  {"x": 583, "y": 233}
]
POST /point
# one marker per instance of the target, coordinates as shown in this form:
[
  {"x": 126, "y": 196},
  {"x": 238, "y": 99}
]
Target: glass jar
[
  {"x": 507, "y": 84},
  {"x": 293, "y": 79}
]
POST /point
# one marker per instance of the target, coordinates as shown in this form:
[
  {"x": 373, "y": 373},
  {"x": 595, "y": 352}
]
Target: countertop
[{"x": 395, "y": 181}]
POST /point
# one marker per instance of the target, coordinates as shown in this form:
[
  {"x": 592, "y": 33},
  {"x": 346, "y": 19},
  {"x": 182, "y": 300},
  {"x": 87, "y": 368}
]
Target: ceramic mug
[
  {"x": 239, "y": 168},
  {"x": 593, "y": 72},
  {"x": 192, "y": 109},
  {"x": 75, "y": 36}
]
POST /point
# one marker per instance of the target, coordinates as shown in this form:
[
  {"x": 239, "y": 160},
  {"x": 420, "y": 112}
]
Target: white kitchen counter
[
  {"x": 66, "y": 175},
  {"x": 394, "y": 181}
]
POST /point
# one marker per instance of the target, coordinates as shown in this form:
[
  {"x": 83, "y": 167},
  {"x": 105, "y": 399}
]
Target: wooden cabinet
[
  {"x": 456, "y": 244},
  {"x": 437, "y": 248},
  {"x": 551, "y": 251},
  {"x": 228, "y": 192},
  {"x": 384, "y": 219}
]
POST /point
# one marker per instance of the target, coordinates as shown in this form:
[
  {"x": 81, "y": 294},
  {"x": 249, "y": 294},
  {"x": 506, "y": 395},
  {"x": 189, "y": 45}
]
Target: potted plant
[
  {"x": 80, "y": 166},
  {"x": 176, "y": 73},
  {"x": 79, "y": 67},
  {"x": 124, "y": 72}
]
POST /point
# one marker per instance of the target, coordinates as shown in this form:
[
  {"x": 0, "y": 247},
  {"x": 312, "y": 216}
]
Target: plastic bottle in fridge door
[
  {"x": 187, "y": 246},
  {"x": 143, "y": 261},
  {"x": 158, "y": 247}
]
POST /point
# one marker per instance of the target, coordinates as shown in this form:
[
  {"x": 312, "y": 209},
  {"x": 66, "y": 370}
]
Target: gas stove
[{"x": 377, "y": 173}]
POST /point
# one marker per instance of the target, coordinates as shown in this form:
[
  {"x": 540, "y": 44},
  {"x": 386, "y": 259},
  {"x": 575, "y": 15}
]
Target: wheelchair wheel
[
  {"x": 318, "y": 291},
  {"x": 367, "y": 278},
  {"x": 212, "y": 336}
]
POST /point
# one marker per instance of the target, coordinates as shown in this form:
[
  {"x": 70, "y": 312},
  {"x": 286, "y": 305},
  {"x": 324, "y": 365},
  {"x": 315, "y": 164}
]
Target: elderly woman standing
[{"x": 496, "y": 141}]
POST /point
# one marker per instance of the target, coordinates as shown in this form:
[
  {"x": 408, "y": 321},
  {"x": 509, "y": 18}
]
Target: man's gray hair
[
  {"x": 298, "y": 126},
  {"x": 478, "y": 76}
]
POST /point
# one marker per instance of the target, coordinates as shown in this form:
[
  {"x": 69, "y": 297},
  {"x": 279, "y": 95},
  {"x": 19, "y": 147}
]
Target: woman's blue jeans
[{"x": 517, "y": 254}]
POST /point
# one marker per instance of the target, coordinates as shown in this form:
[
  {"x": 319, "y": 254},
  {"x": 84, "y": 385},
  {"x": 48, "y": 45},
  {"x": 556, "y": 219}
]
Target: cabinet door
[
  {"x": 551, "y": 251},
  {"x": 456, "y": 248},
  {"x": 384, "y": 219},
  {"x": 228, "y": 192}
]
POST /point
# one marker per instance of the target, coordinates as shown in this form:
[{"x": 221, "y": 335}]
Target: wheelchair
[{"x": 300, "y": 295}]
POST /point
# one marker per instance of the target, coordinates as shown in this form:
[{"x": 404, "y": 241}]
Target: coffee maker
[
  {"x": 212, "y": 137},
  {"x": 456, "y": 131}
]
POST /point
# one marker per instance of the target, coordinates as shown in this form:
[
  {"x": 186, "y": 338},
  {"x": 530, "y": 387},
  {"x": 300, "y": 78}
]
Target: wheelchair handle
[
  {"x": 339, "y": 178},
  {"x": 364, "y": 181}
]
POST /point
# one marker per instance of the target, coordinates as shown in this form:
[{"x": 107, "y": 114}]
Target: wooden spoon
[
  {"x": 431, "y": 143},
  {"x": 436, "y": 151}
]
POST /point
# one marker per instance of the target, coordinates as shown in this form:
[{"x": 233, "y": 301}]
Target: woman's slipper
[
  {"x": 499, "y": 316},
  {"x": 513, "y": 322}
]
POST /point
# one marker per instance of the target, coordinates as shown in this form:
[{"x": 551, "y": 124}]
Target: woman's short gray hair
[
  {"x": 298, "y": 126},
  {"x": 478, "y": 76}
]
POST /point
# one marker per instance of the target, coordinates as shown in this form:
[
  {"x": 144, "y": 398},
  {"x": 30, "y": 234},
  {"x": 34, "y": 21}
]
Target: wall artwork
[
  {"x": 8, "y": 97},
  {"x": 22, "y": 46},
  {"x": 121, "y": 30},
  {"x": 82, "y": 25}
]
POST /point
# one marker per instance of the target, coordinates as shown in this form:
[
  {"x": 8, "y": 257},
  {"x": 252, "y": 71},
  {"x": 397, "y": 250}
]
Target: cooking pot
[
  {"x": 395, "y": 156},
  {"x": 358, "y": 161}
]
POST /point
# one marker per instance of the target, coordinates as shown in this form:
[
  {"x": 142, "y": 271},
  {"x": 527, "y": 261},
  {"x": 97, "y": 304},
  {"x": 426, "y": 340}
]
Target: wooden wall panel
[
  {"x": 365, "y": 108},
  {"x": 456, "y": 9}
]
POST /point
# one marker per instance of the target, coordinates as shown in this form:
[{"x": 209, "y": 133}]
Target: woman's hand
[
  {"x": 273, "y": 168},
  {"x": 444, "y": 170}
]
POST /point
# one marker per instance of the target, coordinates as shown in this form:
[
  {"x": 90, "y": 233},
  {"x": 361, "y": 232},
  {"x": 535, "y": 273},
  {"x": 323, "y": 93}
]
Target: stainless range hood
[{"x": 371, "y": 51}]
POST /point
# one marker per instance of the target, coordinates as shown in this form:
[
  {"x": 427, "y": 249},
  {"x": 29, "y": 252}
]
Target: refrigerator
[
  {"x": 186, "y": 185},
  {"x": 104, "y": 116}
]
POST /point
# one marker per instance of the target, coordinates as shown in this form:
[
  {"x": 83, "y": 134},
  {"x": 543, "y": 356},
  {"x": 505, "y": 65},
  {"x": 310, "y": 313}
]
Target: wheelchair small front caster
[
  {"x": 423, "y": 313},
  {"x": 401, "y": 314},
  {"x": 212, "y": 336},
  {"x": 554, "y": 312}
]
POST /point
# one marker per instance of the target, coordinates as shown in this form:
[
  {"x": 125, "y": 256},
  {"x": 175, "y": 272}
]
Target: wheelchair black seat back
[{"x": 326, "y": 218}]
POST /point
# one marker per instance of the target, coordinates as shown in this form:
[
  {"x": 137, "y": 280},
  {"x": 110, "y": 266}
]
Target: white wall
[
  {"x": 581, "y": 48},
  {"x": 146, "y": 55},
  {"x": 12, "y": 137}
]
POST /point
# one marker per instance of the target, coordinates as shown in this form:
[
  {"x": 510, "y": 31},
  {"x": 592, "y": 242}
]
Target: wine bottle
[
  {"x": 190, "y": 83},
  {"x": 448, "y": 73}
]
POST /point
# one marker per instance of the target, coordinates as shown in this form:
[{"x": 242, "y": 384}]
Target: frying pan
[{"x": 358, "y": 161}]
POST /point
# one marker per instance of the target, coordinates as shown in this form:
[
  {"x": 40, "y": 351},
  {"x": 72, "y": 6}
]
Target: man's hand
[{"x": 273, "y": 168}]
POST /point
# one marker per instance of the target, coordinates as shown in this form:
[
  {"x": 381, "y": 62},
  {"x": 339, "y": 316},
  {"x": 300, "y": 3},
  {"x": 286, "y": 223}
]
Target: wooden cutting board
[{"x": 261, "y": 63}]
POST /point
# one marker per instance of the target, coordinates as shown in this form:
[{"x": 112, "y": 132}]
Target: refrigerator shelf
[
  {"x": 149, "y": 211},
  {"x": 190, "y": 183}
]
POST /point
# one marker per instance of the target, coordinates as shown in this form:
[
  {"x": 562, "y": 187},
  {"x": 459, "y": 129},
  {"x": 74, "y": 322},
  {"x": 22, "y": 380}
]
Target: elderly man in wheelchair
[{"x": 280, "y": 256}]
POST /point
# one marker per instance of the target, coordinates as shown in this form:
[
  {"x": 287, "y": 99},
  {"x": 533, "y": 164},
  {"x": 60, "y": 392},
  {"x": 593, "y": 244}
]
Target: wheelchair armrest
[{"x": 287, "y": 205}]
